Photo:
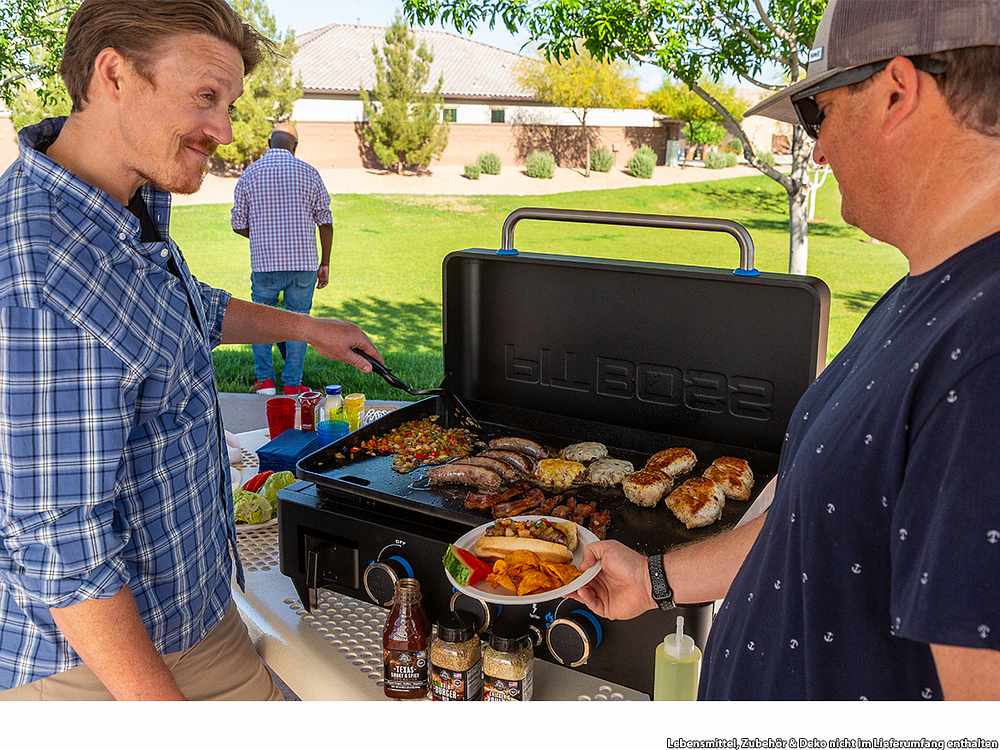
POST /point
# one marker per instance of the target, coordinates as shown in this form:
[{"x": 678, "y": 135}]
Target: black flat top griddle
[{"x": 638, "y": 356}]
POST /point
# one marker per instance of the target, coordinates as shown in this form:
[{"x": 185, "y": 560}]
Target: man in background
[{"x": 278, "y": 201}]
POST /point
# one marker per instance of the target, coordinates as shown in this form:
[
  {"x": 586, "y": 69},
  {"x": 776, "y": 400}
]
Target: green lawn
[{"x": 386, "y": 272}]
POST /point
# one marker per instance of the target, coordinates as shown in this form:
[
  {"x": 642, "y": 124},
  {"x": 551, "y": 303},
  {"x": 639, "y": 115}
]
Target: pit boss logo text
[{"x": 654, "y": 383}]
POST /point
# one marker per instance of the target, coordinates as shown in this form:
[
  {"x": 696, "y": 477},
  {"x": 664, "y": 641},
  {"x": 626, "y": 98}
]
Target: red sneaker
[
  {"x": 295, "y": 390},
  {"x": 265, "y": 388}
]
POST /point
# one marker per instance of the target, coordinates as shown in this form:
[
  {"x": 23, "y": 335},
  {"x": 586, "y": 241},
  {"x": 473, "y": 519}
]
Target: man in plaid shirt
[
  {"x": 117, "y": 543},
  {"x": 278, "y": 201}
]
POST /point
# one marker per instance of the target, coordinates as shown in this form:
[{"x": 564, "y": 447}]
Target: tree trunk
[{"x": 798, "y": 204}]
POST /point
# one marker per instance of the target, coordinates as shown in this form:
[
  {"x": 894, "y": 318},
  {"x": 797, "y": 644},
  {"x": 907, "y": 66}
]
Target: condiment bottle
[
  {"x": 677, "y": 667},
  {"x": 404, "y": 643},
  {"x": 508, "y": 668},
  {"x": 456, "y": 661},
  {"x": 354, "y": 404}
]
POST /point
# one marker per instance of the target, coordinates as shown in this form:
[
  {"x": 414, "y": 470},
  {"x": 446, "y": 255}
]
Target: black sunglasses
[{"x": 808, "y": 111}]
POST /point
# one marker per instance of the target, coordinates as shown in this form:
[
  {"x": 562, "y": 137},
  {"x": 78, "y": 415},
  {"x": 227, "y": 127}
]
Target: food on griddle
[
  {"x": 582, "y": 512},
  {"x": 558, "y": 474},
  {"x": 523, "y": 505},
  {"x": 419, "y": 442},
  {"x": 480, "y": 501},
  {"x": 504, "y": 469},
  {"x": 552, "y": 541},
  {"x": 698, "y": 502},
  {"x": 524, "y": 573},
  {"x": 673, "y": 462},
  {"x": 733, "y": 475},
  {"x": 521, "y": 445},
  {"x": 584, "y": 452},
  {"x": 517, "y": 460},
  {"x": 607, "y": 472},
  {"x": 599, "y": 523},
  {"x": 464, "y": 474},
  {"x": 646, "y": 487}
]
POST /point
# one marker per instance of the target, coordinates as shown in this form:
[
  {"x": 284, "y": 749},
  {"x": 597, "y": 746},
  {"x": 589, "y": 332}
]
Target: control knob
[
  {"x": 380, "y": 578},
  {"x": 481, "y": 612},
  {"x": 573, "y": 638}
]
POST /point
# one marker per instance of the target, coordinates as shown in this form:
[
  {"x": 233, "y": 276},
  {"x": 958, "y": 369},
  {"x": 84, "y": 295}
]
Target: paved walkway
[{"x": 448, "y": 180}]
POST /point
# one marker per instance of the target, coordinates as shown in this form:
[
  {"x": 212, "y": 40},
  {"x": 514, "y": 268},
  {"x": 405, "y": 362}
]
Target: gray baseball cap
[{"x": 854, "y": 33}]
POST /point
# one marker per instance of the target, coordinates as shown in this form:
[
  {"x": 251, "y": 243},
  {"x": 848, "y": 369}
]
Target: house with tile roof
[{"x": 485, "y": 105}]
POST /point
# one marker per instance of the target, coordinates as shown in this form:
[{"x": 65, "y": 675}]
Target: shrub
[
  {"x": 766, "y": 158},
  {"x": 489, "y": 163},
  {"x": 472, "y": 171},
  {"x": 642, "y": 163},
  {"x": 601, "y": 160},
  {"x": 541, "y": 164},
  {"x": 719, "y": 160},
  {"x": 733, "y": 146}
]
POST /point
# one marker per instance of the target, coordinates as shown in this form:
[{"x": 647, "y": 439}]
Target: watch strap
[{"x": 660, "y": 589}]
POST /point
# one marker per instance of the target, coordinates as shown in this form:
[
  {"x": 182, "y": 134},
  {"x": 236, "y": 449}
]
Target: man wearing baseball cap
[{"x": 875, "y": 574}]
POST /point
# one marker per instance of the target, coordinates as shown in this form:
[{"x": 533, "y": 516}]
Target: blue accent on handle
[
  {"x": 549, "y": 617},
  {"x": 746, "y": 272},
  {"x": 594, "y": 621},
  {"x": 406, "y": 565},
  {"x": 511, "y": 251}
]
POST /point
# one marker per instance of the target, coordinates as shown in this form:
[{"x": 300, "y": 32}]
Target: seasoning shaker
[
  {"x": 508, "y": 667},
  {"x": 456, "y": 660}
]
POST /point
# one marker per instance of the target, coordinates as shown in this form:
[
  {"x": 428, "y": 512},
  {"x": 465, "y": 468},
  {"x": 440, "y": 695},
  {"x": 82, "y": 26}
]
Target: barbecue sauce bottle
[{"x": 404, "y": 643}]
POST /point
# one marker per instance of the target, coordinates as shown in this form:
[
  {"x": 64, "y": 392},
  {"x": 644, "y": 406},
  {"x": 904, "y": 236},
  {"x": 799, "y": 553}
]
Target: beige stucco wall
[
  {"x": 337, "y": 144},
  {"x": 8, "y": 142}
]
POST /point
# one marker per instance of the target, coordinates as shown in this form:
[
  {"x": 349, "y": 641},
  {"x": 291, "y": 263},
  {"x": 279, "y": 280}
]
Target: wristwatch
[{"x": 661, "y": 592}]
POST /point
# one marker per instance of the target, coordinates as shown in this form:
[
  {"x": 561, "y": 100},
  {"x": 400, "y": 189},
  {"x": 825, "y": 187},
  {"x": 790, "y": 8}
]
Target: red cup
[{"x": 280, "y": 415}]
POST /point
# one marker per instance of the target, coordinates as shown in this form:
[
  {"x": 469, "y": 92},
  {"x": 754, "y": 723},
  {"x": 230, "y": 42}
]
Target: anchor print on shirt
[
  {"x": 828, "y": 637},
  {"x": 903, "y": 533},
  {"x": 856, "y": 569},
  {"x": 926, "y": 693},
  {"x": 777, "y": 585},
  {"x": 793, "y": 644},
  {"x": 993, "y": 536},
  {"x": 984, "y": 631},
  {"x": 868, "y": 439},
  {"x": 830, "y": 508},
  {"x": 924, "y": 578},
  {"x": 952, "y": 397},
  {"x": 956, "y": 354}
]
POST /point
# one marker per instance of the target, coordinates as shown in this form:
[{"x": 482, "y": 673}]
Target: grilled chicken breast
[
  {"x": 673, "y": 461},
  {"x": 698, "y": 502},
  {"x": 607, "y": 472},
  {"x": 584, "y": 452},
  {"x": 733, "y": 475},
  {"x": 645, "y": 488}
]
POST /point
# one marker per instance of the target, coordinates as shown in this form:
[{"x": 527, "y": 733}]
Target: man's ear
[
  {"x": 900, "y": 92},
  {"x": 108, "y": 79}
]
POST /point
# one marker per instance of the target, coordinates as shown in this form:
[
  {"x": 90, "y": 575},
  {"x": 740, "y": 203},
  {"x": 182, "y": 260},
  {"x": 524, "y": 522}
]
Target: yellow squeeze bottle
[{"x": 677, "y": 666}]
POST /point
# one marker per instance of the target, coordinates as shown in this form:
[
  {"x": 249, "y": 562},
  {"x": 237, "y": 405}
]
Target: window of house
[
  {"x": 498, "y": 115},
  {"x": 449, "y": 114}
]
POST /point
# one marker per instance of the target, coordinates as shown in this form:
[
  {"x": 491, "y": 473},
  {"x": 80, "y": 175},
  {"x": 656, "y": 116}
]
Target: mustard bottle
[{"x": 677, "y": 667}]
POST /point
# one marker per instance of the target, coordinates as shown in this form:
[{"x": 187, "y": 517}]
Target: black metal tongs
[{"x": 396, "y": 382}]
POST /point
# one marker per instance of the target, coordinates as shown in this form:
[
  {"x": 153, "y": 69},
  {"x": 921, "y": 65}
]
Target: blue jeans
[{"x": 296, "y": 288}]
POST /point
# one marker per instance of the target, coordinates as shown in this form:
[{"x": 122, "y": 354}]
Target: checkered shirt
[
  {"x": 111, "y": 445},
  {"x": 281, "y": 199}
]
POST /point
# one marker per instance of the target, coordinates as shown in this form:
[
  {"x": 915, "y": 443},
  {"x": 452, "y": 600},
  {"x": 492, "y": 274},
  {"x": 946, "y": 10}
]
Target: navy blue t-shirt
[{"x": 884, "y": 533}]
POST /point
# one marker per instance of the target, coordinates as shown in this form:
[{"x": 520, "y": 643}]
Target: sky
[{"x": 303, "y": 15}]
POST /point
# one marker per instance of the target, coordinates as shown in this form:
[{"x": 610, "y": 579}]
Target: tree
[
  {"x": 703, "y": 125},
  {"x": 269, "y": 93},
  {"x": 581, "y": 83},
  {"x": 32, "y": 34},
  {"x": 688, "y": 39},
  {"x": 29, "y": 107},
  {"x": 402, "y": 119}
]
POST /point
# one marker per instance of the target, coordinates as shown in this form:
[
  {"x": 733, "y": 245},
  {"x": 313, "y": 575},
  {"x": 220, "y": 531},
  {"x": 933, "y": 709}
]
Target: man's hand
[
  {"x": 336, "y": 338},
  {"x": 621, "y": 590},
  {"x": 322, "y": 277}
]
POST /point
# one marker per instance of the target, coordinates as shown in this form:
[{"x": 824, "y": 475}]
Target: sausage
[
  {"x": 519, "y": 507},
  {"x": 504, "y": 469},
  {"x": 476, "y": 476},
  {"x": 475, "y": 500},
  {"x": 513, "y": 458},
  {"x": 550, "y": 504},
  {"x": 561, "y": 511},
  {"x": 521, "y": 445},
  {"x": 582, "y": 511}
]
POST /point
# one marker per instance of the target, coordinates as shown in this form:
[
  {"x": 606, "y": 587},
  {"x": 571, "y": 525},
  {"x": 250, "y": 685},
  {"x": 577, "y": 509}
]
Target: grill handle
[{"x": 736, "y": 230}]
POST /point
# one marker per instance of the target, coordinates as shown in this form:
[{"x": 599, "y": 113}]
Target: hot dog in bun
[{"x": 552, "y": 540}]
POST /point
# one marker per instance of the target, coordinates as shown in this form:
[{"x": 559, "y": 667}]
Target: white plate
[{"x": 487, "y": 592}]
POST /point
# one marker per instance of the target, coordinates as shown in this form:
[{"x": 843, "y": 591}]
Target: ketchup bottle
[{"x": 404, "y": 643}]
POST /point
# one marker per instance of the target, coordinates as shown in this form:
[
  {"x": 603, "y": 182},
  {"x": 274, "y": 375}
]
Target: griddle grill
[{"x": 639, "y": 356}]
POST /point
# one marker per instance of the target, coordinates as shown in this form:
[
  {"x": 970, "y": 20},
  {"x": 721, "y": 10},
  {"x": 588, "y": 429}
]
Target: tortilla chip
[
  {"x": 499, "y": 567},
  {"x": 534, "y": 580},
  {"x": 503, "y": 581},
  {"x": 563, "y": 573},
  {"x": 523, "y": 557}
]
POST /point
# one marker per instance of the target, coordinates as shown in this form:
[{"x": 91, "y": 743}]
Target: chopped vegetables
[
  {"x": 277, "y": 481},
  {"x": 254, "y": 483},
  {"x": 251, "y": 507},
  {"x": 420, "y": 442}
]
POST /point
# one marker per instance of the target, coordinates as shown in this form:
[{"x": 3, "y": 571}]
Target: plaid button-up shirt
[
  {"x": 111, "y": 449},
  {"x": 281, "y": 200}
]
